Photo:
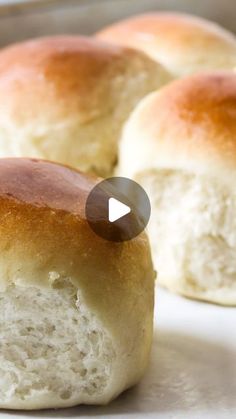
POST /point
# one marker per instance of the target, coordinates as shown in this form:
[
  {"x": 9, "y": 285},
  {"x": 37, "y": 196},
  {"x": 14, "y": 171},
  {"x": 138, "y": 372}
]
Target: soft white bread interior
[
  {"x": 184, "y": 44},
  {"x": 180, "y": 144},
  {"x": 76, "y": 310},
  {"x": 66, "y": 98}
]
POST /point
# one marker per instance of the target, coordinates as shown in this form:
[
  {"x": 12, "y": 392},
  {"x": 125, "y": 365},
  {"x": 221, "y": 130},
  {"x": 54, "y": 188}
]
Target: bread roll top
[
  {"x": 182, "y": 43},
  {"x": 187, "y": 125}
]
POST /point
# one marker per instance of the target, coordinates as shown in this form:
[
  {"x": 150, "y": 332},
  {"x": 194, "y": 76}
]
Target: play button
[{"x": 117, "y": 209}]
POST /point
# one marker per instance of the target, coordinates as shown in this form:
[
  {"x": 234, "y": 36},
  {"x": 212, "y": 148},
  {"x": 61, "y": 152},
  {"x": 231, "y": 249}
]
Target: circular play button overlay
[{"x": 118, "y": 209}]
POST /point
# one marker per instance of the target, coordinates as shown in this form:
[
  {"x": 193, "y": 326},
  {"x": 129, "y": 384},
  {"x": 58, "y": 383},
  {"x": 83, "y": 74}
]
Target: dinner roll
[
  {"x": 180, "y": 144},
  {"x": 76, "y": 310},
  {"x": 184, "y": 44},
  {"x": 66, "y": 98}
]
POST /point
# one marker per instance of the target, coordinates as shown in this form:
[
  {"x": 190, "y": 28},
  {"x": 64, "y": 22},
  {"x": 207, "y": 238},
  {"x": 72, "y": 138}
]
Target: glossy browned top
[
  {"x": 42, "y": 209},
  {"x": 44, "y": 184}
]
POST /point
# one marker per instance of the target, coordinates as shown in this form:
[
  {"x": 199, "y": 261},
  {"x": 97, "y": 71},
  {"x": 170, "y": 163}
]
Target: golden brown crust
[
  {"x": 189, "y": 125},
  {"x": 37, "y": 184},
  {"x": 181, "y": 42}
]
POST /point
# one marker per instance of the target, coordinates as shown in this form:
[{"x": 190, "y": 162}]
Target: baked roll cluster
[{"x": 76, "y": 311}]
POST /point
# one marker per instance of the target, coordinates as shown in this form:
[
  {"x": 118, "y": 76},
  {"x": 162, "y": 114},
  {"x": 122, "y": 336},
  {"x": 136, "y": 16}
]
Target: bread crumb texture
[
  {"x": 51, "y": 348},
  {"x": 193, "y": 234}
]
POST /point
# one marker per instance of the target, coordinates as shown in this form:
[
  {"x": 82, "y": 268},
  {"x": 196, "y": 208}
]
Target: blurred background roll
[
  {"x": 66, "y": 98},
  {"x": 183, "y": 43}
]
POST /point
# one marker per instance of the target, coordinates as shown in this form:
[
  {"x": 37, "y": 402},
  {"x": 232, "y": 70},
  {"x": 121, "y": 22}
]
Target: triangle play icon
[{"x": 117, "y": 210}]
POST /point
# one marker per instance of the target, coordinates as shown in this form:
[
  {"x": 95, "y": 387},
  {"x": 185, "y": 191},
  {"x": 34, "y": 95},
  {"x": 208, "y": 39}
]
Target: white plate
[{"x": 192, "y": 373}]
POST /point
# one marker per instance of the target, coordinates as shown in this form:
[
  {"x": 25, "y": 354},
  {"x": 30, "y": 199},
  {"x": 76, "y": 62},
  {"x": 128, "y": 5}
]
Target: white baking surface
[{"x": 192, "y": 372}]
